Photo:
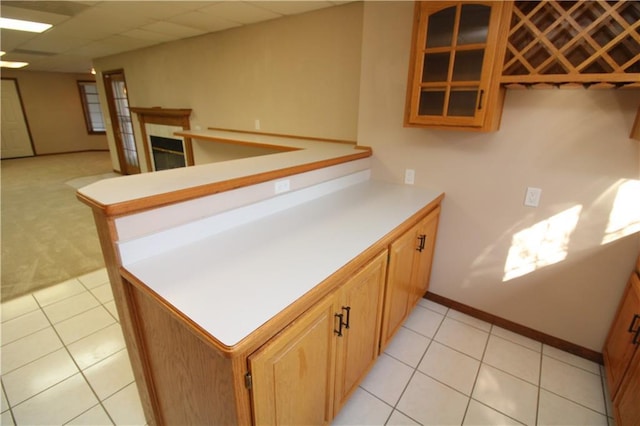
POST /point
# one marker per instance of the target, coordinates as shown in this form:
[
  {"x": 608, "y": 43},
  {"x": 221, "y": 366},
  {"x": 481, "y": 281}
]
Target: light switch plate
[{"x": 532, "y": 197}]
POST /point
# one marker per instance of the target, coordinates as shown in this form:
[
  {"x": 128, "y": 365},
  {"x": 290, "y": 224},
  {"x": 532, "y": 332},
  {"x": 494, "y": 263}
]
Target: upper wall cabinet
[
  {"x": 588, "y": 42},
  {"x": 456, "y": 57}
]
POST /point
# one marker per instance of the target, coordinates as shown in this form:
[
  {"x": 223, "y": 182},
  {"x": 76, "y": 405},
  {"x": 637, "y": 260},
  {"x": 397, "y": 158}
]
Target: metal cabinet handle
[
  {"x": 633, "y": 324},
  {"x": 422, "y": 238},
  {"x": 348, "y": 309},
  {"x": 340, "y": 324}
]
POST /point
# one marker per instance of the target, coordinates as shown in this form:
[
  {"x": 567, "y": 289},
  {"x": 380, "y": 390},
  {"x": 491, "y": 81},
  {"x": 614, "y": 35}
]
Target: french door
[{"x": 116, "y": 93}]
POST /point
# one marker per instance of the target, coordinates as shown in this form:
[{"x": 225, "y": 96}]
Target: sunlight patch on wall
[
  {"x": 624, "y": 218},
  {"x": 542, "y": 244}
]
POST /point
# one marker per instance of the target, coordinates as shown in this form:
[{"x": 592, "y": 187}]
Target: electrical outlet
[
  {"x": 257, "y": 124},
  {"x": 282, "y": 186},
  {"x": 532, "y": 197},
  {"x": 409, "y": 176}
]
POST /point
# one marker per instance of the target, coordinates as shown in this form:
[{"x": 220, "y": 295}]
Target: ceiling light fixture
[
  {"x": 10, "y": 64},
  {"x": 20, "y": 25}
]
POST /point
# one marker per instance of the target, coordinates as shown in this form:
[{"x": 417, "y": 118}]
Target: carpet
[{"x": 47, "y": 235}]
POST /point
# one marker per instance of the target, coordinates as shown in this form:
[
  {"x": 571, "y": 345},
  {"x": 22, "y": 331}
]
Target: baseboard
[{"x": 517, "y": 328}]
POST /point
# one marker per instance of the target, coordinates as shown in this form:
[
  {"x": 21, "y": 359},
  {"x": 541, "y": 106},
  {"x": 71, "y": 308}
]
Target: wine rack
[{"x": 576, "y": 42}]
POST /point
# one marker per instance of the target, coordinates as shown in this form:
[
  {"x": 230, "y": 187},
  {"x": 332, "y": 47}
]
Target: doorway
[
  {"x": 118, "y": 103},
  {"x": 16, "y": 138}
]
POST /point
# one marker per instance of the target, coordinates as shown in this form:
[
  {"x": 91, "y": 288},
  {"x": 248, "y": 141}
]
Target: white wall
[
  {"x": 573, "y": 144},
  {"x": 298, "y": 75}
]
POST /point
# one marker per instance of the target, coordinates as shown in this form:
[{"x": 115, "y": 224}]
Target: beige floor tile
[
  {"x": 572, "y": 359},
  {"x": 507, "y": 394},
  {"x": 103, "y": 293},
  {"x": 84, "y": 324},
  {"x": 58, "y": 404},
  {"x": 513, "y": 359},
  {"x": 399, "y": 419},
  {"x": 125, "y": 408},
  {"x": 111, "y": 307},
  {"x": 59, "y": 292},
  {"x": 363, "y": 409},
  {"x": 469, "y": 320},
  {"x": 7, "y": 419},
  {"x": 110, "y": 375},
  {"x": 462, "y": 337},
  {"x": 450, "y": 367},
  {"x": 24, "y": 325},
  {"x": 387, "y": 379},
  {"x": 408, "y": 346},
  {"x": 18, "y": 306},
  {"x": 436, "y": 307},
  {"x": 5, "y": 403},
  {"x": 555, "y": 410},
  {"x": 481, "y": 415},
  {"x": 97, "y": 346},
  {"x": 430, "y": 402},
  {"x": 95, "y": 416},
  {"x": 29, "y": 348},
  {"x": 95, "y": 278},
  {"x": 517, "y": 338},
  {"x": 573, "y": 383},
  {"x": 37, "y": 376},
  {"x": 70, "y": 307},
  {"x": 424, "y": 321}
]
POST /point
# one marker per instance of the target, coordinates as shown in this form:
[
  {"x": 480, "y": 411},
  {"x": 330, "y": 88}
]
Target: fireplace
[
  {"x": 168, "y": 153},
  {"x": 163, "y": 149}
]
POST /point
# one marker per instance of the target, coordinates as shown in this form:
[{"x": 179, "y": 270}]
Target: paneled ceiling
[{"x": 83, "y": 30}]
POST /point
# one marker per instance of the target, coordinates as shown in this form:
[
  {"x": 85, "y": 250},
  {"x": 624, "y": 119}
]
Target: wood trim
[
  {"x": 167, "y": 117},
  {"x": 24, "y": 115},
  {"x": 518, "y": 328},
  {"x": 285, "y": 135},
  {"x": 238, "y": 142},
  {"x": 159, "y": 200}
]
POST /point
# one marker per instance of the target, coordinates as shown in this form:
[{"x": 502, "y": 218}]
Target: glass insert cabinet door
[{"x": 452, "y": 61}]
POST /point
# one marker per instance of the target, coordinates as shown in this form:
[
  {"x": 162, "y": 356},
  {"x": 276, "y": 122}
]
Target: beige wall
[
  {"x": 54, "y": 111},
  {"x": 573, "y": 144},
  {"x": 297, "y": 75}
]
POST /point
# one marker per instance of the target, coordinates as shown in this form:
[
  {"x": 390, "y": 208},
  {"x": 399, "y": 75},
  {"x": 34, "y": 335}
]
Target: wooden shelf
[{"x": 573, "y": 42}]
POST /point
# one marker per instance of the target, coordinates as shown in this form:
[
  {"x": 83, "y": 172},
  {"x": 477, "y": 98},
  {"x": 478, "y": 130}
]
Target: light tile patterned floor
[{"x": 64, "y": 361}]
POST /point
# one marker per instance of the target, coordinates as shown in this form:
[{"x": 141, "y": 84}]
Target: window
[{"x": 91, "y": 106}]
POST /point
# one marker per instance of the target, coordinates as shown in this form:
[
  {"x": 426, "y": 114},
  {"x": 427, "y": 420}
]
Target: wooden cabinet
[
  {"x": 622, "y": 357},
  {"x": 455, "y": 63},
  {"x": 306, "y": 373},
  {"x": 410, "y": 259}
]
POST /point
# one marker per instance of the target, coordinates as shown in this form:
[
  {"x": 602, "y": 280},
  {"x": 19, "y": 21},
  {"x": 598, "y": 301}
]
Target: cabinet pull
[
  {"x": 348, "y": 309},
  {"x": 422, "y": 239},
  {"x": 633, "y": 324},
  {"x": 480, "y": 100},
  {"x": 636, "y": 337},
  {"x": 340, "y": 324}
]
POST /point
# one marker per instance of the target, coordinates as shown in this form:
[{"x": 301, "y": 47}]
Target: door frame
[
  {"x": 24, "y": 116},
  {"x": 125, "y": 168}
]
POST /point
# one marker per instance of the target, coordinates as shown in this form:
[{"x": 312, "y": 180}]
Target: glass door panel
[
  {"x": 468, "y": 65},
  {"x": 462, "y": 102},
  {"x": 436, "y": 67},
  {"x": 440, "y": 28},
  {"x": 432, "y": 102},
  {"x": 474, "y": 24}
]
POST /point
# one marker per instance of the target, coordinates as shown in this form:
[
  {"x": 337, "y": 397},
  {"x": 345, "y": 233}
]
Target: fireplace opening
[{"x": 168, "y": 153}]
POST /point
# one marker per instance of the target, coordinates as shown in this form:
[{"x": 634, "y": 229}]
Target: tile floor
[{"x": 64, "y": 361}]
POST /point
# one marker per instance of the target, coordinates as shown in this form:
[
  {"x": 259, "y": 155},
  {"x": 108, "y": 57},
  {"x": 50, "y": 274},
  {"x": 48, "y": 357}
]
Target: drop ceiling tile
[
  {"x": 206, "y": 22},
  {"x": 240, "y": 12},
  {"x": 31, "y": 15},
  {"x": 141, "y": 34},
  {"x": 290, "y": 7},
  {"x": 54, "y": 42},
  {"x": 156, "y": 10},
  {"x": 10, "y": 39},
  {"x": 171, "y": 29}
]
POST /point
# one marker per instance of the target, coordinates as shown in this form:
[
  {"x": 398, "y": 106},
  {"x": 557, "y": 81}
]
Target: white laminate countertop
[
  {"x": 296, "y": 152},
  {"x": 232, "y": 283}
]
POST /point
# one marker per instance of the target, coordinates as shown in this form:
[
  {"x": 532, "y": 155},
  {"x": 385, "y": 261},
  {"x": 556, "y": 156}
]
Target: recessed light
[
  {"x": 20, "y": 25},
  {"x": 10, "y": 64}
]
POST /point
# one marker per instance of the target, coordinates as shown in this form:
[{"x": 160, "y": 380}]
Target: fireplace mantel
[{"x": 167, "y": 117}]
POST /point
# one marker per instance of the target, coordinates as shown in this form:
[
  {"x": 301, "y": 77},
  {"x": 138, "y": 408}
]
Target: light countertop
[{"x": 233, "y": 282}]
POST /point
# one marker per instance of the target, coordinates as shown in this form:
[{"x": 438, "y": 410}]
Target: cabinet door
[
  {"x": 627, "y": 402},
  {"x": 293, "y": 374},
  {"x": 399, "y": 285},
  {"x": 427, "y": 230},
  {"x": 619, "y": 347},
  {"x": 454, "y": 69},
  {"x": 361, "y": 306}
]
